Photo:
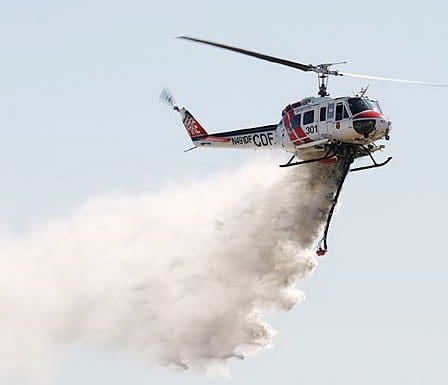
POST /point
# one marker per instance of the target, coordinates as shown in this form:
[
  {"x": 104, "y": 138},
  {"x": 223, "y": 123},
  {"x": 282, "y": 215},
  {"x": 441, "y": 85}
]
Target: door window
[
  {"x": 323, "y": 114},
  {"x": 339, "y": 111}
]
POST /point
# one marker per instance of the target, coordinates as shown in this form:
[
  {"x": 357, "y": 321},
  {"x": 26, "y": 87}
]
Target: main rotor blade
[
  {"x": 288, "y": 63},
  {"x": 392, "y": 79}
]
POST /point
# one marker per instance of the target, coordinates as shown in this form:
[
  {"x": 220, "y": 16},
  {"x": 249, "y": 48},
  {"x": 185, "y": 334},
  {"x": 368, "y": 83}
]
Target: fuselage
[
  {"x": 317, "y": 121},
  {"x": 347, "y": 119},
  {"x": 307, "y": 128}
]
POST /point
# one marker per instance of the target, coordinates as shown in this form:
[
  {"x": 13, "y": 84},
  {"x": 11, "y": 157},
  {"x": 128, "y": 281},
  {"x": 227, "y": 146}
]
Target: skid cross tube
[{"x": 375, "y": 163}]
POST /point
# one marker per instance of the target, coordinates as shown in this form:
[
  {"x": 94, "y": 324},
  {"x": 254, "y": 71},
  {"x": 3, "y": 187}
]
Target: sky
[{"x": 80, "y": 118}]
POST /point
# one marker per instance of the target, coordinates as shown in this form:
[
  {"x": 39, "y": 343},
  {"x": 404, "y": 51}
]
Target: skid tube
[
  {"x": 375, "y": 163},
  {"x": 330, "y": 154}
]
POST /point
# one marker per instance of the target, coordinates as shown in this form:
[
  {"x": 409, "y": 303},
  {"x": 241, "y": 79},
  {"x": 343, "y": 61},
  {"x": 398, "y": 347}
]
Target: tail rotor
[{"x": 167, "y": 97}]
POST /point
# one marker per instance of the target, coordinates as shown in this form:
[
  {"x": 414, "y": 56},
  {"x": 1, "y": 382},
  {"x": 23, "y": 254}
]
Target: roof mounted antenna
[{"x": 363, "y": 91}]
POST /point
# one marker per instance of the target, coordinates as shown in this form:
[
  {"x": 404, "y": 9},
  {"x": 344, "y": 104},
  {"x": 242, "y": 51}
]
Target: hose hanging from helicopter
[{"x": 322, "y": 246}]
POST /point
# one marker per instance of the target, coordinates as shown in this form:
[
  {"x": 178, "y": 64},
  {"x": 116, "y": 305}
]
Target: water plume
[{"x": 181, "y": 276}]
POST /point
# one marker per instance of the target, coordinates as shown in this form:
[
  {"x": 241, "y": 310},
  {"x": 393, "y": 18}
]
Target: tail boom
[{"x": 262, "y": 137}]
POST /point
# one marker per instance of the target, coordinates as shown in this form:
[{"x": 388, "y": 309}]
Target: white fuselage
[{"x": 308, "y": 126}]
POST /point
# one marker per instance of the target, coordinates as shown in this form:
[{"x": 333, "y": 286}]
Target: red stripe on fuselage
[
  {"x": 296, "y": 134},
  {"x": 300, "y": 133},
  {"x": 368, "y": 114},
  {"x": 217, "y": 139}
]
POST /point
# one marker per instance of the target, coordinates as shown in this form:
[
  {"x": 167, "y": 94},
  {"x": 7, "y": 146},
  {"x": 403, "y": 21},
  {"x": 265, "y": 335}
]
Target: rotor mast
[
  {"x": 323, "y": 82},
  {"x": 323, "y": 73}
]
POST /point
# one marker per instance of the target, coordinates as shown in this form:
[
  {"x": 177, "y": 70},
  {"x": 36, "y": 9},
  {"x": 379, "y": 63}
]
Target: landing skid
[
  {"x": 330, "y": 154},
  {"x": 340, "y": 151},
  {"x": 375, "y": 163}
]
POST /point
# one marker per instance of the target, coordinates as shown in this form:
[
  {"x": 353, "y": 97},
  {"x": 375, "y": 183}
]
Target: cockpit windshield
[
  {"x": 358, "y": 105},
  {"x": 375, "y": 106}
]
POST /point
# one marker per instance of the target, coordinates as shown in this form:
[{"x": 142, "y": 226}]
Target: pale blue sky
[{"x": 79, "y": 116}]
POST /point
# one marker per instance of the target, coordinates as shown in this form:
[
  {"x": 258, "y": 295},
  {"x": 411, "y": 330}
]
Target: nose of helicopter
[{"x": 371, "y": 124}]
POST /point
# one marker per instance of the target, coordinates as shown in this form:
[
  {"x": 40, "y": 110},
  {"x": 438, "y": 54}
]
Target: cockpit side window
[{"x": 375, "y": 106}]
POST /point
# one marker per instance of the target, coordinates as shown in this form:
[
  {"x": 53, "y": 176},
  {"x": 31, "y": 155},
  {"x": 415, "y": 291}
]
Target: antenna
[{"x": 363, "y": 91}]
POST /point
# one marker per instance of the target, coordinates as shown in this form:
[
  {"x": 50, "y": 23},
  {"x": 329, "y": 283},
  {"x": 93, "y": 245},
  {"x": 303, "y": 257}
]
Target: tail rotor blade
[{"x": 167, "y": 97}]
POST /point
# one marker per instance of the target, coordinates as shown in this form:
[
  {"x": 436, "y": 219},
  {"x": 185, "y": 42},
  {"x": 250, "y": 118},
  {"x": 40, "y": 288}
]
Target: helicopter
[{"x": 314, "y": 129}]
